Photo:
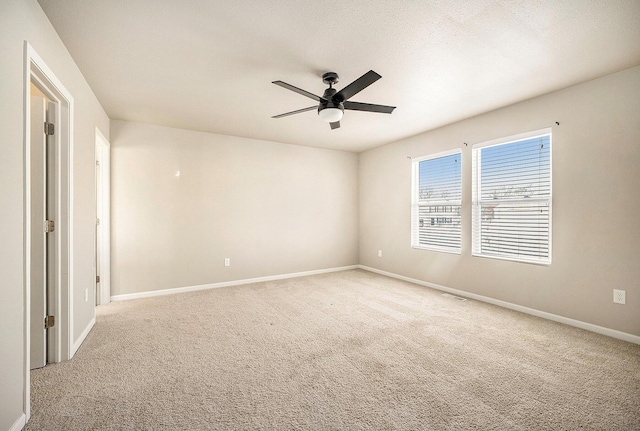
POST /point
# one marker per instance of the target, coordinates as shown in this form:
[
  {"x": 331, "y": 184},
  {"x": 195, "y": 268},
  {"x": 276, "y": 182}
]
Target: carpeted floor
[{"x": 342, "y": 351}]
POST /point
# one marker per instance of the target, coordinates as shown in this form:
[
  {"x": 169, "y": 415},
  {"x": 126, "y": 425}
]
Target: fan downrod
[{"x": 330, "y": 78}]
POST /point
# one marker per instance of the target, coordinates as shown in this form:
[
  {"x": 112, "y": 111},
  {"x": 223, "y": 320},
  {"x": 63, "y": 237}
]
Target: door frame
[
  {"x": 37, "y": 71},
  {"x": 103, "y": 157}
]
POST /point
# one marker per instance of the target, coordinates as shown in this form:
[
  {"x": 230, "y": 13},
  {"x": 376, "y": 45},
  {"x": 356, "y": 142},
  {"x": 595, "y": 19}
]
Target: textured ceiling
[{"x": 207, "y": 65}]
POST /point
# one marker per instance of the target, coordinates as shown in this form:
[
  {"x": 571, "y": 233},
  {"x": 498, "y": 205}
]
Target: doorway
[
  {"x": 48, "y": 214},
  {"x": 103, "y": 221}
]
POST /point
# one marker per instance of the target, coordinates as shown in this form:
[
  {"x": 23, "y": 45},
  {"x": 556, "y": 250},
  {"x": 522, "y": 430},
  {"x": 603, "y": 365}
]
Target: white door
[
  {"x": 42, "y": 244},
  {"x": 103, "y": 235},
  {"x": 38, "y": 236},
  {"x": 98, "y": 293}
]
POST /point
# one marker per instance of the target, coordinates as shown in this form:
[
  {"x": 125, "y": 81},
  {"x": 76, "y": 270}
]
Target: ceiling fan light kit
[
  {"x": 330, "y": 115},
  {"x": 332, "y": 104}
]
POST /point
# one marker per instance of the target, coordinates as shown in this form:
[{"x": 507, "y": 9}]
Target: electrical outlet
[
  {"x": 619, "y": 296},
  {"x": 227, "y": 261},
  {"x": 86, "y": 295},
  {"x": 379, "y": 253}
]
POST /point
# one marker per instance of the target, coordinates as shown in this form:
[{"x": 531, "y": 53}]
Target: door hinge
[
  {"x": 97, "y": 222},
  {"x": 49, "y": 226},
  {"x": 49, "y": 321},
  {"x": 97, "y": 279},
  {"x": 49, "y": 128}
]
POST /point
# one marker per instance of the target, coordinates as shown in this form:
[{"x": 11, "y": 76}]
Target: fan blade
[
  {"x": 286, "y": 114},
  {"x": 356, "y": 86},
  {"x": 298, "y": 90},
  {"x": 357, "y": 106},
  {"x": 334, "y": 125}
]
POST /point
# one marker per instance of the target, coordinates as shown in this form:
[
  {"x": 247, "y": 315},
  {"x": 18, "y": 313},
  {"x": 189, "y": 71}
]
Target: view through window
[
  {"x": 512, "y": 198},
  {"x": 437, "y": 195}
]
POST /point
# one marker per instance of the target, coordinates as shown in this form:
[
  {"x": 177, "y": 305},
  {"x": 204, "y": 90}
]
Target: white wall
[
  {"x": 22, "y": 20},
  {"x": 272, "y": 208},
  {"x": 596, "y": 205}
]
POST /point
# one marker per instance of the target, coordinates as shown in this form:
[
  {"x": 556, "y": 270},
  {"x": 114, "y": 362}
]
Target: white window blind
[
  {"x": 437, "y": 194},
  {"x": 512, "y": 198}
]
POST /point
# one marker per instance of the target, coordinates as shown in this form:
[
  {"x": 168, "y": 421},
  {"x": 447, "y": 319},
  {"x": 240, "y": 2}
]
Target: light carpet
[{"x": 349, "y": 350}]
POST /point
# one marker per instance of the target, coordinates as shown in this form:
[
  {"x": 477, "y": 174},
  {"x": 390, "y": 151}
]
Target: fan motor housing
[
  {"x": 330, "y": 104},
  {"x": 328, "y": 101}
]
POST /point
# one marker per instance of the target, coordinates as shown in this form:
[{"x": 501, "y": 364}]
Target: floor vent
[{"x": 457, "y": 298}]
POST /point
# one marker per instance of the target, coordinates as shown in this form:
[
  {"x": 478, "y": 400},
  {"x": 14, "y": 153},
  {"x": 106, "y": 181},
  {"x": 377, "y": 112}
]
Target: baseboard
[
  {"x": 172, "y": 291},
  {"x": 19, "y": 423},
  {"x": 82, "y": 337},
  {"x": 532, "y": 311}
]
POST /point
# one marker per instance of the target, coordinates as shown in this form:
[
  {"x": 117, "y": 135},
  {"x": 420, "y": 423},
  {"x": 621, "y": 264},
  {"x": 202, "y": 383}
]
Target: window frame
[
  {"x": 415, "y": 202},
  {"x": 476, "y": 234}
]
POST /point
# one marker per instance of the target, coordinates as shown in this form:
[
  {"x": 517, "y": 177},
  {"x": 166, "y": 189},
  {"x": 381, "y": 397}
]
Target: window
[
  {"x": 512, "y": 198},
  {"x": 437, "y": 193}
]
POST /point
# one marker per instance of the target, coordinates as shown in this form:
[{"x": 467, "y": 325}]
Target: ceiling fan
[{"x": 332, "y": 104}]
